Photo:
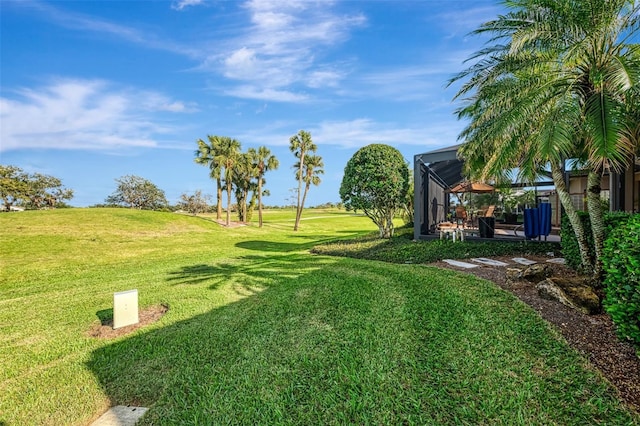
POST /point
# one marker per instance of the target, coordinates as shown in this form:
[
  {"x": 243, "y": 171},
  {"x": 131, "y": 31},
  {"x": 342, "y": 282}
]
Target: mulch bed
[
  {"x": 592, "y": 335},
  {"x": 145, "y": 317}
]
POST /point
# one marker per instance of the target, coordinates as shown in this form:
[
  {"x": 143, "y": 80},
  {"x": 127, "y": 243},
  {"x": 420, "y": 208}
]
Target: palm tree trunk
[
  {"x": 219, "y": 199},
  {"x": 596, "y": 215},
  {"x": 260, "y": 201},
  {"x": 299, "y": 207},
  {"x": 574, "y": 219},
  {"x": 245, "y": 196},
  {"x": 228, "y": 204},
  {"x": 304, "y": 198}
]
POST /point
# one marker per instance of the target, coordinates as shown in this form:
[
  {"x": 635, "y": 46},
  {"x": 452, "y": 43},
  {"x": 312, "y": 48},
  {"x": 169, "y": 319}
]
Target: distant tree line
[
  {"x": 243, "y": 174},
  {"x": 31, "y": 190},
  {"x": 239, "y": 174}
]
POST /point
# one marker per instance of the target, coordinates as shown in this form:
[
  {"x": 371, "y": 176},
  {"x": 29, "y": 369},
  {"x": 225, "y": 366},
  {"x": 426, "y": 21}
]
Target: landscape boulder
[
  {"x": 537, "y": 272},
  {"x": 572, "y": 292},
  {"x": 513, "y": 274},
  {"x": 534, "y": 273}
]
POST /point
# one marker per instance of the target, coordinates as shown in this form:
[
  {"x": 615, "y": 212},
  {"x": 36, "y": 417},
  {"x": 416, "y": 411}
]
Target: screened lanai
[{"x": 434, "y": 173}]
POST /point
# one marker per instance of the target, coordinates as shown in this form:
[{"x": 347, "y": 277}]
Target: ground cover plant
[
  {"x": 259, "y": 331},
  {"x": 403, "y": 249}
]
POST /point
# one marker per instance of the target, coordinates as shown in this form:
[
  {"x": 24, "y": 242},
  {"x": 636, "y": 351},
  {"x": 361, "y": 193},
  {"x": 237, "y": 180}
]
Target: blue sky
[{"x": 91, "y": 91}]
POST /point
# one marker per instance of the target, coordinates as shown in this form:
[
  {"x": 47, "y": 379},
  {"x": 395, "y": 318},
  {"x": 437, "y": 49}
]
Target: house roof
[
  {"x": 444, "y": 163},
  {"x": 448, "y": 153}
]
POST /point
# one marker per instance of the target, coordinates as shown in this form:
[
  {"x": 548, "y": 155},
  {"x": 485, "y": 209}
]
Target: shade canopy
[{"x": 477, "y": 187}]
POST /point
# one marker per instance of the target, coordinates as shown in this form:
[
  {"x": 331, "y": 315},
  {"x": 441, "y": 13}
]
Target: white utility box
[{"x": 125, "y": 308}]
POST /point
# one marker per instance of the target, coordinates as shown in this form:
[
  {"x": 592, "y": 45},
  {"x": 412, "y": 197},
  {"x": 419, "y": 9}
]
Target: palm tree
[
  {"x": 300, "y": 145},
  {"x": 227, "y": 156},
  {"x": 264, "y": 162},
  {"x": 243, "y": 173},
  {"x": 313, "y": 167},
  {"x": 555, "y": 89},
  {"x": 501, "y": 137},
  {"x": 205, "y": 155}
]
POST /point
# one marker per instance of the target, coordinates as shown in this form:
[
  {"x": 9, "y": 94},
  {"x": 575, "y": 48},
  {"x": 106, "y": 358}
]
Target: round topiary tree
[{"x": 376, "y": 181}]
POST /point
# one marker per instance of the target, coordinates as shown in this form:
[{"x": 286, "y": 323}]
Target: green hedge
[
  {"x": 570, "y": 250},
  {"x": 621, "y": 261}
]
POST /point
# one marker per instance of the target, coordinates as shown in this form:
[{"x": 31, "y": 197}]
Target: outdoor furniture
[
  {"x": 461, "y": 215},
  {"x": 449, "y": 231},
  {"x": 454, "y": 234}
]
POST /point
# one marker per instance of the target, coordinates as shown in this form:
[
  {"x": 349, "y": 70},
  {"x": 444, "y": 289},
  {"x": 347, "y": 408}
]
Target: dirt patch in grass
[
  {"x": 146, "y": 316},
  {"x": 592, "y": 335},
  {"x": 232, "y": 224}
]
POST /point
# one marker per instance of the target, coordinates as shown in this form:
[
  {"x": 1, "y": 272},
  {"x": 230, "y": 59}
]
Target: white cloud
[
  {"x": 266, "y": 94},
  {"x": 324, "y": 78},
  {"x": 360, "y": 132},
  {"x": 279, "y": 50},
  {"x": 181, "y": 4},
  {"x": 462, "y": 22},
  {"x": 83, "y": 114},
  {"x": 241, "y": 64},
  {"x": 409, "y": 83},
  {"x": 363, "y": 131},
  {"x": 153, "y": 101},
  {"x": 82, "y": 22}
]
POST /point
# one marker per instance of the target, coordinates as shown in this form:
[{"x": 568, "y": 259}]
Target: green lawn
[{"x": 259, "y": 331}]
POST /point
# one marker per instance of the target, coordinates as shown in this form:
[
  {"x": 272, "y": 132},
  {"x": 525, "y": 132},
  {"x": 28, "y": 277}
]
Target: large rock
[
  {"x": 533, "y": 273},
  {"x": 513, "y": 274},
  {"x": 537, "y": 272},
  {"x": 572, "y": 292}
]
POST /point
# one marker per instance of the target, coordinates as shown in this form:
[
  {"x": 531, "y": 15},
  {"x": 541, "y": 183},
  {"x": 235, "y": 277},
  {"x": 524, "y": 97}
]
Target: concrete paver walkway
[
  {"x": 120, "y": 415},
  {"x": 460, "y": 264}
]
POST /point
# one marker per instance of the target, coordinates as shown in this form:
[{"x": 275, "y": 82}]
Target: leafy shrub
[
  {"x": 614, "y": 220},
  {"x": 621, "y": 262},
  {"x": 570, "y": 250}
]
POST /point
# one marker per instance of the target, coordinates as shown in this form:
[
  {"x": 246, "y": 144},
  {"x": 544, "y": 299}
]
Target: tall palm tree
[
  {"x": 244, "y": 173},
  {"x": 313, "y": 167},
  {"x": 301, "y": 144},
  {"x": 206, "y": 155},
  {"x": 553, "y": 87},
  {"x": 264, "y": 162},
  {"x": 227, "y": 157},
  {"x": 502, "y": 137}
]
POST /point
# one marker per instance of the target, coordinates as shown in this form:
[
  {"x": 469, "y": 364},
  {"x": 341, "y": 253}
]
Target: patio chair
[{"x": 461, "y": 216}]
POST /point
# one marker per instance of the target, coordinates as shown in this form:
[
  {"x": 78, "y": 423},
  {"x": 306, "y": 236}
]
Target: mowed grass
[{"x": 259, "y": 331}]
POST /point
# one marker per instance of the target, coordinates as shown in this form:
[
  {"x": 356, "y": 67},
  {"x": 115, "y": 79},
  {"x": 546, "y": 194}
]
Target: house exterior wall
[{"x": 626, "y": 184}]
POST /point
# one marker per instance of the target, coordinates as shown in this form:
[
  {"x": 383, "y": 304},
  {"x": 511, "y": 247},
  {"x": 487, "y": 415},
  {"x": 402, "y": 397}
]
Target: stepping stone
[
  {"x": 559, "y": 260},
  {"x": 489, "y": 262},
  {"x": 523, "y": 261},
  {"x": 460, "y": 264},
  {"x": 120, "y": 415}
]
